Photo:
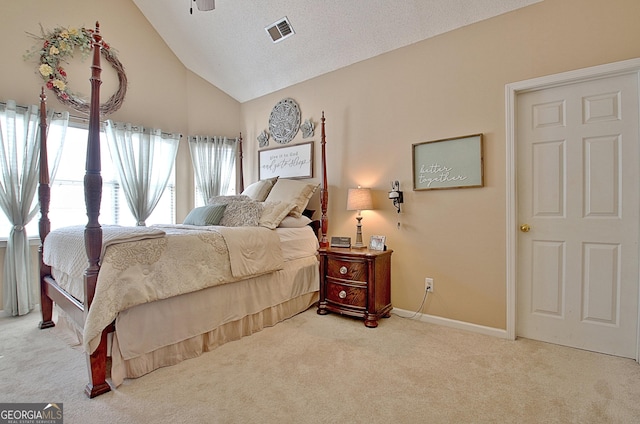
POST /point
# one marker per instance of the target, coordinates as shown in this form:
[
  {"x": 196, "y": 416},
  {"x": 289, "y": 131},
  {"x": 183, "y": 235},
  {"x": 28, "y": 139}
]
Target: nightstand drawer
[
  {"x": 346, "y": 294},
  {"x": 346, "y": 270}
]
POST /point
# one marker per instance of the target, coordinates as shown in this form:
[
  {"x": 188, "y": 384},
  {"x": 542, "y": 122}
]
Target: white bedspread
[{"x": 185, "y": 259}]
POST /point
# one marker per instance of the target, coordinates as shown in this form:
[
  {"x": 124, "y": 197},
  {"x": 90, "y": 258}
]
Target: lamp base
[{"x": 358, "y": 244}]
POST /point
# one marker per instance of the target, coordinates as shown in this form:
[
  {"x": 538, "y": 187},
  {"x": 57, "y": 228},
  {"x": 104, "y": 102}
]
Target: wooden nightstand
[{"x": 355, "y": 282}]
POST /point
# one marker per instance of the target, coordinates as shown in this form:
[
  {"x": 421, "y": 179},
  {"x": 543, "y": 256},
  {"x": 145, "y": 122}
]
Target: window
[{"x": 67, "y": 191}]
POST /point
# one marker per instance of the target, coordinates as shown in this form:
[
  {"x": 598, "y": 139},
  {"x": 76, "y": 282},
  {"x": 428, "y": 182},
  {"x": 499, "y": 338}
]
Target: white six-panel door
[{"x": 578, "y": 185}]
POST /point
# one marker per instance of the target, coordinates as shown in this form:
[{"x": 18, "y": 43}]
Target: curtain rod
[
  {"x": 236, "y": 139},
  {"x": 18, "y": 106},
  {"x": 79, "y": 118}
]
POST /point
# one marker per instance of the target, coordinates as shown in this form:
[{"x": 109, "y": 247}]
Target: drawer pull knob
[
  {"x": 343, "y": 270},
  {"x": 342, "y": 294}
]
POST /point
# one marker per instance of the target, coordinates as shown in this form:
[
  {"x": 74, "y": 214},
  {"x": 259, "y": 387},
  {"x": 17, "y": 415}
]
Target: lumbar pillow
[
  {"x": 205, "y": 215},
  {"x": 259, "y": 190},
  {"x": 292, "y": 191},
  {"x": 273, "y": 213}
]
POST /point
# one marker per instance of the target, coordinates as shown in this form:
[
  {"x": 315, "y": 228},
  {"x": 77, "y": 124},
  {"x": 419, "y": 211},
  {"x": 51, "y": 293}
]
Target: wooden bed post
[
  {"x": 324, "y": 191},
  {"x": 240, "y": 173},
  {"x": 96, "y": 362},
  {"x": 44, "y": 197}
]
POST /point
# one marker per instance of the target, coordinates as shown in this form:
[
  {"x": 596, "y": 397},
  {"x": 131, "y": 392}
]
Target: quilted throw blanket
[{"x": 166, "y": 262}]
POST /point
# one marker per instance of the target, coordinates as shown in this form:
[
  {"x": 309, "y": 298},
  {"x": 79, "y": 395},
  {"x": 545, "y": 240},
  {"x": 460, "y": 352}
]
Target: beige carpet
[{"x": 331, "y": 369}]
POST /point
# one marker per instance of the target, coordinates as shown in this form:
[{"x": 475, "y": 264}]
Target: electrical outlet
[{"x": 428, "y": 284}]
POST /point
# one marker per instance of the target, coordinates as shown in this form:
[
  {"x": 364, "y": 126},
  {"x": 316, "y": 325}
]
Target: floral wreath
[{"x": 57, "y": 47}]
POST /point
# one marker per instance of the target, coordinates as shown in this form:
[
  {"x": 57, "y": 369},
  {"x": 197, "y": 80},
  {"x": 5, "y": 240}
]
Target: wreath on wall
[{"x": 56, "y": 48}]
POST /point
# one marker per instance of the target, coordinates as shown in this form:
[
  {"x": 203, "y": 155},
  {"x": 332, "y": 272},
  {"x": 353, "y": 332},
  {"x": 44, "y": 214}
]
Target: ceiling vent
[{"x": 280, "y": 30}]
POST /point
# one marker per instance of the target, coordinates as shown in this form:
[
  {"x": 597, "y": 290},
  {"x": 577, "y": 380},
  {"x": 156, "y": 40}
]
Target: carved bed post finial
[{"x": 324, "y": 192}]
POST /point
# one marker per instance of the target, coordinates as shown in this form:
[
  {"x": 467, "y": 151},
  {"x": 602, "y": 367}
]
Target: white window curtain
[
  {"x": 20, "y": 163},
  {"x": 213, "y": 161},
  {"x": 144, "y": 159}
]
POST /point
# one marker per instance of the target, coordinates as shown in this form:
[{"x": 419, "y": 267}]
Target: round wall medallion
[{"x": 284, "y": 121}]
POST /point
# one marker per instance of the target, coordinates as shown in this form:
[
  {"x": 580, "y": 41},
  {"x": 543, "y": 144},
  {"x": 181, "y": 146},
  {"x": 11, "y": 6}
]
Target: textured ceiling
[{"x": 230, "y": 48}]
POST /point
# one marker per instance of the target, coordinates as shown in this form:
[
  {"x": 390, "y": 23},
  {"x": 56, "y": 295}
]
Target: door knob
[{"x": 525, "y": 228}]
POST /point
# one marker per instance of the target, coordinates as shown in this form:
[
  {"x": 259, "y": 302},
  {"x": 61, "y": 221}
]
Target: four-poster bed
[{"x": 132, "y": 309}]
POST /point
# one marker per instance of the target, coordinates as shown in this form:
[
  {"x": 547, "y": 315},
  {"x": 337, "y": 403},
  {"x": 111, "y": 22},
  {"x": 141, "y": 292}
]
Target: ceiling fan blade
[{"x": 206, "y": 5}]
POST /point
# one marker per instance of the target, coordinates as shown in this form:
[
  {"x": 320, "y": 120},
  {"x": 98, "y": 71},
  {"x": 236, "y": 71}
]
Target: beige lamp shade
[{"x": 359, "y": 199}]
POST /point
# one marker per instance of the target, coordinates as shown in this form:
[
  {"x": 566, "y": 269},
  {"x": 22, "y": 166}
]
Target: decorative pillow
[
  {"x": 308, "y": 213},
  {"x": 292, "y": 191},
  {"x": 259, "y": 190},
  {"x": 242, "y": 214},
  {"x": 223, "y": 200},
  {"x": 205, "y": 215},
  {"x": 293, "y": 222},
  {"x": 273, "y": 213}
]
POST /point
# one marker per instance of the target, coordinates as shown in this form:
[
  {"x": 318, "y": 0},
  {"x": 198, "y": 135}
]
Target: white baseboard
[{"x": 461, "y": 325}]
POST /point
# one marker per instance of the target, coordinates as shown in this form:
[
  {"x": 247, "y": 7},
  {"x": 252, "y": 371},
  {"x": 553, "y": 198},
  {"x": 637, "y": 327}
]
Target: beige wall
[{"x": 448, "y": 86}]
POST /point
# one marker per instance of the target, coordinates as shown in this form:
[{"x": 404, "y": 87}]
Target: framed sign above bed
[{"x": 293, "y": 161}]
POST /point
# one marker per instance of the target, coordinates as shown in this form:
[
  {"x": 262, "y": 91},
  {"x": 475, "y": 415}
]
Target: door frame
[{"x": 512, "y": 91}]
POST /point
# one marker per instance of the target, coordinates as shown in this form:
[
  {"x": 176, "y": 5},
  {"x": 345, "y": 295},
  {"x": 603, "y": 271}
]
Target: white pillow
[
  {"x": 259, "y": 190},
  {"x": 292, "y": 191},
  {"x": 293, "y": 222}
]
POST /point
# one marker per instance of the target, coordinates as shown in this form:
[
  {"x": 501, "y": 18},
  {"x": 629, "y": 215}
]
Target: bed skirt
[{"x": 196, "y": 346}]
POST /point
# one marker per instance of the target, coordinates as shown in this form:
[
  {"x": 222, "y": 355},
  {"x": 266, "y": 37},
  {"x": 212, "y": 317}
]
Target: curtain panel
[
  {"x": 213, "y": 160},
  {"x": 144, "y": 159},
  {"x": 19, "y": 168}
]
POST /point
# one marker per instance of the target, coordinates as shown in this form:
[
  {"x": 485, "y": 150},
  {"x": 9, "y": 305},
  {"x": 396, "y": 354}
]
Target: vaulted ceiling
[{"x": 230, "y": 48}]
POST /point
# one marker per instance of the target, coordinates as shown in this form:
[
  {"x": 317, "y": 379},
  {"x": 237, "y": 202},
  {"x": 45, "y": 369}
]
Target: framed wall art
[
  {"x": 448, "y": 163},
  {"x": 293, "y": 161}
]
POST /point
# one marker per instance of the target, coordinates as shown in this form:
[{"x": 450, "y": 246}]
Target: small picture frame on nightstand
[{"x": 377, "y": 243}]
